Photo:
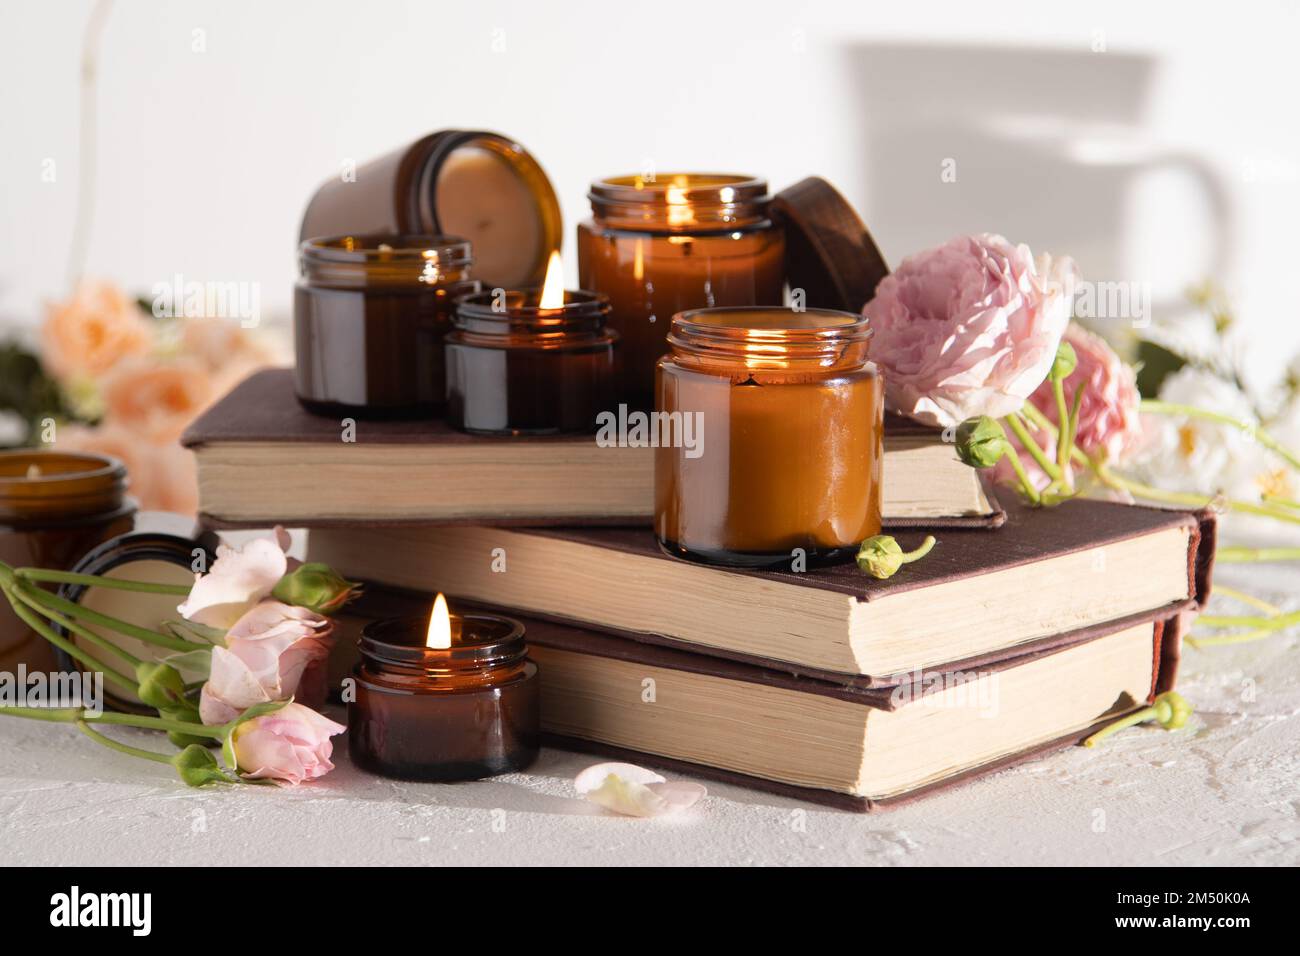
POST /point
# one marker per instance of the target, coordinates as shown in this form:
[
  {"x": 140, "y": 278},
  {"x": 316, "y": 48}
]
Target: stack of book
[{"x": 1020, "y": 632}]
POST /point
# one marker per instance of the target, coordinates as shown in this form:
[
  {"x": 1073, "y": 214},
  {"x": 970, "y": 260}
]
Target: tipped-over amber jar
[
  {"x": 516, "y": 368},
  {"x": 54, "y": 507},
  {"x": 370, "y": 313},
  {"x": 678, "y": 241},
  {"x": 456, "y": 713},
  {"x": 784, "y": 416}
]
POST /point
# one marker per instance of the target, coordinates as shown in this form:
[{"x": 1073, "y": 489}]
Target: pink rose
[
  {"x": 239, "y": 579},
  {"x": 1110, "y": 423},
  {"x": 157, "y": 400},
  {"x": 288, "y": 746},
  {"x": 268, "y": 655},
  {"x": 968, "y": 328}
]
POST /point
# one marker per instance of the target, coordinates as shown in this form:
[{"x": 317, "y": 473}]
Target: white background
[{"x": 206, "y": 158}]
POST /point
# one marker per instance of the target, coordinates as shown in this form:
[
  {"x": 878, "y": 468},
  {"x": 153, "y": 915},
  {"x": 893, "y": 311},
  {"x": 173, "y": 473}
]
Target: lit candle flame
[
  {"x": 680, "y": 211},
  {"x": 439, "y": 625},
  {"x": 553, "y": 288}
]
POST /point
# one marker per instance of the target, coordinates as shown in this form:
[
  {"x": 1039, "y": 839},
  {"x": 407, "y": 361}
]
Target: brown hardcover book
[
  {"x": 316, "y": 470},
  {"x": 975, "y": 597},
  {"x": 853, "y": 747}
]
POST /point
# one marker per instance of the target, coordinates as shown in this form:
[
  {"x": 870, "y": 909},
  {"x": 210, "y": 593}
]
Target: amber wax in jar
[
  {"x": 445, "y": 697},
  {"x": 370, "y": 313},
  {"x": 786, "y": 421},
  {"x": 661, "y": 245},
  {"x": 54, "y": 507},
  {"x": 518, "y": 367}
]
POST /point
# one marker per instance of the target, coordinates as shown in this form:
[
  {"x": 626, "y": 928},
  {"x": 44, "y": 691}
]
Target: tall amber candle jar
[
  {"x": 370, "y": 313},
  {"x": 787, "y": 425},
  {"x": 54, "y": 507},
  {"x": 680, "y": 241}
]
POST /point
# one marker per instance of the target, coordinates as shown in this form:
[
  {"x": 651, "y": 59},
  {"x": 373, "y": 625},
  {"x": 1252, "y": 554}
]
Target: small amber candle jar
[
  {"x": 463, "y": 712},
  {"x": 789, "y": 412},
  {"x": 680, "y": 241},
  {"x": 54, "y": 507},
  {"x": 516, "y": 368},
  {"x": 370, "y": 313}
]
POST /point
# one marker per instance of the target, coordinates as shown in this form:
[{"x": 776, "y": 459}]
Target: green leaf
[
  {"x": 160, "y": 685},
  {"x": 1155, "y": 364},
  {"x": 191, "y": 663},
  {"x": 196, "y": 767}
]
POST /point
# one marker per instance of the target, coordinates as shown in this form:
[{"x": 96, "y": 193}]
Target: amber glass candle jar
[
  {"x": 54, "y": 507},
  {"x": 682, "y": 241},
  {"x": 516, "y": 368},
  {"x": 370, "y": 313},
  {"x": 789, "y": 413},
  {"x": 456, "y": 713}
]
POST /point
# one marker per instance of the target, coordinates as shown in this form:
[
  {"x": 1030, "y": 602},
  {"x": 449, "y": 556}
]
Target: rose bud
[
  {"x": 881, "y": 556},
  {"x": 316, "y": 587},
  {"x": 981, "y": 442},
  {"x": 287, "y": 746},
  {"x": 1172, "y": 710},
  {"x": 1065, "y": 362}
]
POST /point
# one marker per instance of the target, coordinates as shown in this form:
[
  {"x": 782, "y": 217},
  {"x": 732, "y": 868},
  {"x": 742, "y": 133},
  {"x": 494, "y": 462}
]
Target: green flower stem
[
  {"x": 1220, "y": 640},
  {"x": 1237, "y": 555},
  {"x": 1274, "y": 621},
  {"x": 94, "y": 581},
  {"x": 1045, "y": 424},
  {"x": 1018, "y": 466},
  {"x": 924, "y": 548},
  {"x": 1257, "y": 433},
  {"x": 1031, "y": 446},
  {"x": 1271, "y": 610},
  {"x": 1282, "y": 502},
  {"x": 112, "y": 744},
  {"x": 72, "y": 650},
  {"x": 98, "y": 640},
  {"x": 1063, "y": 416},
  {"x": 1133, "y": 719},
  {"x": 74, "y": 610},
  {"x": 70, "y": 715},
  {"x": 1190, "y": 499}
]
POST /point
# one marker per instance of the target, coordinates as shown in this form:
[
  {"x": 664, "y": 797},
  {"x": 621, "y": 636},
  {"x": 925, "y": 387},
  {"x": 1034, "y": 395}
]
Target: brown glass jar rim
[
  {"x": 714, "y": 201},
  {"x": 362, "y": 248},
  {"x": 504, "y": 644},
  {"x": 771, "y": 334},
  {"x": 69, "y": 485}
]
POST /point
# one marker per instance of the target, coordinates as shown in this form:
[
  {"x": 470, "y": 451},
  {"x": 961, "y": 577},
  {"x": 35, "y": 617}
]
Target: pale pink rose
[
  {"x": 92, "y": 331},
  {"x": 288, "y": 746},
  {"x": 239, "y": 579},
  {"x": 635, "y": 791},
  {"x": 968, "y": 328},
  {"x": 268, "y": 651},
  {"x": 157, "y": 400},
  {"x": 1110, "y": 424}
]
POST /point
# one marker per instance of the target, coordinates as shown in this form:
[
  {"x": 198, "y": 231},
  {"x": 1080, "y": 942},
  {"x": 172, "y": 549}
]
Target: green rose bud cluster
[{"x": 316, "y": 587}]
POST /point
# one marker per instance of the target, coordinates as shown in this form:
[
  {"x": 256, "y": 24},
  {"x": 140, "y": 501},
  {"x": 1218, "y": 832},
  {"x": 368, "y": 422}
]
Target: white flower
[
  {"x": 634, "y": 791},
  {"x": 239, "y": 579}
]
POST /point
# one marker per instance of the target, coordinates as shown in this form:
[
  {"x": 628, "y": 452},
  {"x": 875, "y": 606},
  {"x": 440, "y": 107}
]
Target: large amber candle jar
[
  {"x": 370, "y": 313},
  {"x": 770, "y": 433},
  {"x": 54, "y": 507},
  {"x": 515, "y": 367},
  {"x": 677, "y": 242}
]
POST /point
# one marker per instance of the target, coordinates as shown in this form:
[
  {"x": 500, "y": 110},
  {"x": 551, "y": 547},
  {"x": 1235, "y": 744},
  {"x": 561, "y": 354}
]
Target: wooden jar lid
[{"x": 829, "y": 252}]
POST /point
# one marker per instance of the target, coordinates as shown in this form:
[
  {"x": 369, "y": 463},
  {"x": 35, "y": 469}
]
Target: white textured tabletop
[{"x": 1224, "y": 791}]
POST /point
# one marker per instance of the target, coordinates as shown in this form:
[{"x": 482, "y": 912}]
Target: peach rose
[
  {"x": 968, "y": 328},
  {"x": 268, "y": 651},
  {"x": 91, "y": 332},
  {"x": 161, "y": 477},
  {"x": 157, "y": 400},
  {"x": 1110, "y": 424},
  {"x": 288, "y": 746}
]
